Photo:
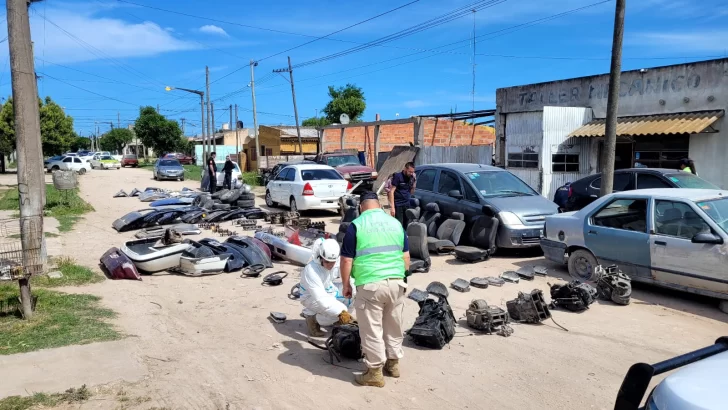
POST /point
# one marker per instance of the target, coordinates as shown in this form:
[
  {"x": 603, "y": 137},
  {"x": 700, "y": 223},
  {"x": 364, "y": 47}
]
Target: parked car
[
  {"x": 102, "y": 153},
  {"x": 305, "y": 186},
  {"x": 104, "y": 162},
  {"x": 221, "y": 176},
  {"x": 51, "y": 159},
  {"x": 70, "y": 163},
  {"x": 350, "y": 168},
  {"x": 584, "y": 191},
  {"x": 673, "y": 238},
  {"x": 129, "y": 160},
  {"x": 183, "y": 159},
  {"x": 466, "y": 188},
  {"x": 700, "y": 385},
  {"x": 268, "y": 175},
  {"x": 168, "y": 169}
]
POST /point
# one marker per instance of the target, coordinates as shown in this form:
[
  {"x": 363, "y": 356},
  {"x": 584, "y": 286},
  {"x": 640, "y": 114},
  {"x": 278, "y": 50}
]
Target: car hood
[
  {"x": 524, "y": 205},
  {"x": 698, "y": 386},
  {"x": 353, "y": 168}
]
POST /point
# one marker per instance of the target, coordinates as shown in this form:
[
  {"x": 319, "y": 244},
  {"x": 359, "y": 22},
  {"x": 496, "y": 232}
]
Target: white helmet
[{"x": 329, "y": 250}]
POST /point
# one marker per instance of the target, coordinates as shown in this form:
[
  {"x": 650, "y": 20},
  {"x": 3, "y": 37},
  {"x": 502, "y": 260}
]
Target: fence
[
  {"x": 269, "y": 161},
  {"x": 478, "y": 154}
]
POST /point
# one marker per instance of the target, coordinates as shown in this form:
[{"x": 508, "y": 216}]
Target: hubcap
[
  {"x": 583, "y": 268},
  {"x": 268, "y": 200},
  {"x": 294, "y": 208}
]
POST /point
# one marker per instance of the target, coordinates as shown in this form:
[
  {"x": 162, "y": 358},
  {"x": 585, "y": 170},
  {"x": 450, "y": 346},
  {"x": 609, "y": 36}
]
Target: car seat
[
  {"x": 448, "y": 234},
  {"x": 419, "y": 253},
  {"x": 352, "y": 210},
  {"x": 430, "y": 218},
  {"x": 670, "y": 221},
  {"x": 413, "y": 214},
  {"x": 482, "y": 237}
]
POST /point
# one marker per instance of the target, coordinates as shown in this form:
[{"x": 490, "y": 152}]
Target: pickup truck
[{"x": 348, "y": 165}]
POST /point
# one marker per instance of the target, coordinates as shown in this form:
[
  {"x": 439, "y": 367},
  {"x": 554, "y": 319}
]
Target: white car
[
  {"x": 104, "y": 162},
  {"x": 221, "y": 176},
  {"x": 70, "y": 163},
  {"x": 304, "y": 187}
]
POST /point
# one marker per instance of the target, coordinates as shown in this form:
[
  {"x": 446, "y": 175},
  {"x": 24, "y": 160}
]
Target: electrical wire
[{"x": 88, "y": 91}]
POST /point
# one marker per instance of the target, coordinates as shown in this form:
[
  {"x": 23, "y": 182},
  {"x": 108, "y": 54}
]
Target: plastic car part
[
  {"x": 471, "y": 254},
  {"x": 252, "y": 271},
  {"x": 118, "y": 265},
  {"x": 481, "y": 283},
  {"x": 295, "y": 292},
  {"x": 461, "y": 285},
  {"x": 573, "y": 296},
  {"x": 526, "y": 272},
  {"x": 495, "y": 281},
  {"x": 120, "y": 194},
  {"x": 434, "y": 326},
  {"x": 135, "y": 192},
  {"x": 278, "y": 317},
  {"x": 418, "y": 295},
  {"x": 438, "y": 289},
  {"x": 529, "y": 307},
  {"x": 247, "y": 224},
  {"x": 486, "y": 318},
  {"x": 275, "y": 278},
  {"x": 540, "y": 270},
  {"x": 613, "y": 285},
  {"x": 510, "y": 276}
]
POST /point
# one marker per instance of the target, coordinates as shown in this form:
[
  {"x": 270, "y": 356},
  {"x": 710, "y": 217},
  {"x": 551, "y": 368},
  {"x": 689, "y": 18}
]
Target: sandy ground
[{"x": 206, "y": 343}]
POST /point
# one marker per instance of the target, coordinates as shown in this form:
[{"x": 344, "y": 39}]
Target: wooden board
[{"x": 399, "y": 156}]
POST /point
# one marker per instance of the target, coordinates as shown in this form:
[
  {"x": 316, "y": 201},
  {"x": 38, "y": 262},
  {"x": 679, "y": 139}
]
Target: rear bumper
[
  {"x": 519, "y": 237},
  {"x": 552, "y": 250},
  {"x": 110, "y": 166},
  {"x": 312, "y": 202}
]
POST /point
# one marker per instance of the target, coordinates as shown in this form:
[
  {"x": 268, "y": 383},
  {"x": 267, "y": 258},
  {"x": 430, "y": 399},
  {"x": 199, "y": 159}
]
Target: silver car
[
  {"x": 168, "y": 169},
  {"x": 674, "y": 238}
]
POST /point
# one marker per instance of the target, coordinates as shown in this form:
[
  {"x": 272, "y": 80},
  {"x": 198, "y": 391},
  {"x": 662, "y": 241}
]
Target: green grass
[
  {"x": 73, "y": 275},
  {"x": 193, "y": 172},
  {"x": 251, "y": 178},
  {"x": 66, "y": 206},
  {"x": 46, "y": 400}
]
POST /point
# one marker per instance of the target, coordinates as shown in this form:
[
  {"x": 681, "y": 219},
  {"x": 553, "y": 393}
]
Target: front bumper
[
  {"x": 521, "y": 237},
  {"x": 553, "y": 250},
  {"x": 110, "y": 166},
  {"x": 366, "y": 185},
  {"x": 312, "y": 202},
  {"x": 170, "y": 176}
]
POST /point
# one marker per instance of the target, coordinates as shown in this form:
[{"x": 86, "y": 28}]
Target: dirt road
[{"x": 206, "y": 343}]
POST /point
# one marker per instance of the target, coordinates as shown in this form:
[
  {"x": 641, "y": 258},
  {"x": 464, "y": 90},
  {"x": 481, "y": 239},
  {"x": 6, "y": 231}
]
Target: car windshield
[
  {"x": 106, "y": 158},
  {"x": 169, "y": 163},
  {"x": 319, "y": 174},
  {"x": 220, "y": 165},
  {"x": 717, "y": 210},
  {"x": 688, "y": 180},
  {"x": 499, "y": 183},
  {"x": 340, "y": 160}
]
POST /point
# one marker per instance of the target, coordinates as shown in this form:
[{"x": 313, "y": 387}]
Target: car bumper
[
  {"x": 553, "y": 250},
  {"x": 110, "y": 166},
  {"x": 163, "y": 176},
  {"x": 364, "y": 186},
  {"x": 307, "y": 203},
  {"x": 519, "y": 237}
]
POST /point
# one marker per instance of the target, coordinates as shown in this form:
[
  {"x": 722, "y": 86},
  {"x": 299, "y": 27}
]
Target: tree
[
  {"x": 7, "y": 127},
  {"x": 157, "y": 132},
  {"x": 56, "y": 128},
  {"x": 186, "y": 146},
  {"x": 316, "y": 122},
  {"x": 116, "y": 139},
  {"x": 80, "y": 143},
  {"x": 345, "y": 100}
]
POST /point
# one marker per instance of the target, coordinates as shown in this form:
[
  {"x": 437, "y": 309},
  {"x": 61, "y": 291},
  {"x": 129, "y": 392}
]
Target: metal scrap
[
  {"x": 489, "y": 319},
  {"x": 529, "y": 307}
]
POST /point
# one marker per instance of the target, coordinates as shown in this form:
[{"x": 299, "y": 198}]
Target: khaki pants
[{"x": 379, "y": 307}]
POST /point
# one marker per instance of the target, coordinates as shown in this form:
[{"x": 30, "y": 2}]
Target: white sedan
[
  {"x": 70, "y": 163},
  {"x": 307, "y": 186},
  {"x": 236, "y": 175}
]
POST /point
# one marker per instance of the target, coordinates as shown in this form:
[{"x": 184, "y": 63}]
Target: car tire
[
  {"x": 155, "y": 176},
  {"x": 55, "y": 168},
  {"x": 246, "y": 195},
  {"x": 246, "y": 203},
  {"x": 269, "y": 201},
  {"x": 82, "y": 171},
  {"x": 582, "y": 264},
  {"x": 293, "y": 205}
]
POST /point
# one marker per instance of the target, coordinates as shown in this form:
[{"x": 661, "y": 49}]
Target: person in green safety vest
[{"x": 375, "y": 252}]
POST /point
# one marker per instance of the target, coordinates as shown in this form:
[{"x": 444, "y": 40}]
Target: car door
[
  {"x": 277, "y": 185},
  {"x": 77, "y": 164},
  {"x": 678, "y": 261},
  {"x": 470, "y": 204},
  {"x": 66, "y": 164},
  {"x": 446, "y": 183},
  {"x": 425, "y": 186},
  {"x": 616, "y": 233},
  {"x": 288, "y": 185},
  {"x": 623, "y": 181}
]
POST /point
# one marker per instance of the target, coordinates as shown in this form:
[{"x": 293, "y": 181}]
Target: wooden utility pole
[
  {"x": 118, "y": 120},
  {"x": 206, "y": 142},
  {"x": 610, "y": 134},
  {"x": 237, "y": 135},
  {"x": 31, "y": 179},
  {"x": 214, "y": 131},
  {"x": 293, "y": 93},
  {"x": 255, "y": 117},
  {"x": 230, "y": 127},
  {"x": 183, "y": 126}
]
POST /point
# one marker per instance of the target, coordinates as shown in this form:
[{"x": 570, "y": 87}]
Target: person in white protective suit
[{"x": 323, "y": 301}]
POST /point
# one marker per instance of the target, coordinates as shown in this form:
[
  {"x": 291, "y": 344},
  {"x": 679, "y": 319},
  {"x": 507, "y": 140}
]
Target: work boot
[
  {"x": 391, "y": 368},
  {"x": 372, "y": 377},
  {"x": 314, "y": 330}
]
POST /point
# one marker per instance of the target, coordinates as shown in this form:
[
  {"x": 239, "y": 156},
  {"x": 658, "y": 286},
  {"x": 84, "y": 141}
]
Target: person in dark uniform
[
  {"x": 212, "y": 173},
  {"x": 227, "y": 169},
  {"x": 403, "y": 186}
]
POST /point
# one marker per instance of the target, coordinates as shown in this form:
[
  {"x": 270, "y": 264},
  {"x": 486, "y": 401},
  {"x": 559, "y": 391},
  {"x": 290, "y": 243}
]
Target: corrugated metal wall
[
  {"x": 478, "y": 154},
  {"x": 524, "y": 130},
  {"x": 558, "y": 123}
]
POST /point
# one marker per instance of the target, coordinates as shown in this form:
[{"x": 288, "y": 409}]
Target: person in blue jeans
[{"x": 403, "y": 186}]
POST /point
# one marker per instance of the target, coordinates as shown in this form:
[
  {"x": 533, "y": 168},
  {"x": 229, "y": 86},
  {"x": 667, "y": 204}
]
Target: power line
[{"x": 88, "y": 91}]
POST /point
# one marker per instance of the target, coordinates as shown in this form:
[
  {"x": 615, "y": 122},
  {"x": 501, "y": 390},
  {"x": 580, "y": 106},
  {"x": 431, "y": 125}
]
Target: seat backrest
[
  {"x": 412, "y": 215},
  {"x": 352, "y": 212},
  {"x": 457, "y": 216},
  {"x": 451, "y": 229},
  {"x": 417, "y": 238},
  {"x": 483, "y": 232},
  {"x": 430, "y": 218}
]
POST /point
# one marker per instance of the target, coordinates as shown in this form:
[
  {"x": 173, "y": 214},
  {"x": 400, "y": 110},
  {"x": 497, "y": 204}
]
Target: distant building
[{"x": 281, "y": 140}]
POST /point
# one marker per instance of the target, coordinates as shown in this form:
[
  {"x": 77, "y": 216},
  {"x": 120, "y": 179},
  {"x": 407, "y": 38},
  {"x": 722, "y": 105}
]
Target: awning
[{"x": 659, "y": 124}]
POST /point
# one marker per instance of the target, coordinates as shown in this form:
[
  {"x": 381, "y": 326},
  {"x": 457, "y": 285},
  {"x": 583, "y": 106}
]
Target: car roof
[
  {"x": 302, "y": 167},
  {"x": 463, "y": 167},
  {"x": 678, "y": 193}
]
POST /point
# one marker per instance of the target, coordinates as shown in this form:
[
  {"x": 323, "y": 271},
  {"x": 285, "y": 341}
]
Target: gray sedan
[
  {"x": 168, "y": 169},
  {"x": 466, "y": 188},
  {"x": 674, "y": 238}
]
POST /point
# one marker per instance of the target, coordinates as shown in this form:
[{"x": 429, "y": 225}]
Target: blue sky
[{"x": 100, "y": 57}]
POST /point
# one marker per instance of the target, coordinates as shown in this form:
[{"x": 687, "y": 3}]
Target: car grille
[
  {"x": 531, "y": 241},
  {"x": 535, "y": 218},
  {"x": 361, "y": 176}
]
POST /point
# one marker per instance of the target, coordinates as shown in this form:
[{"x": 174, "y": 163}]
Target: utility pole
[
  {"x": 230, "y": 128},
  {"x": 118, "y": 120},
  {"x": 293, "y": 93},
  {"x": 255, "y": 117},
  {"x": 615, "y": 71},
  {"x": 237, "y": 134},
  {"x": 473, "y": 59},
  {"x": 183, "y": 126},
  {"x": 31, "y": 179},
  {"x": 157, "y": 108},
  {"x": 206, "y": 141},
  {"x": 214, "y": 130}
]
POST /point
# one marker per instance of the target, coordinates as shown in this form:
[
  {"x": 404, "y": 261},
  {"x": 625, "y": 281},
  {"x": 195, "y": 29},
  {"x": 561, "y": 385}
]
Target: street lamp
[{"x": 202, "y": 112}]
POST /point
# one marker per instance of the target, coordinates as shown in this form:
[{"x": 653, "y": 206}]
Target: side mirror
[
  {"x": 488, "y": 210},
  {"x": 455, "y": 194},
  {"x": 708, "y": 238}
]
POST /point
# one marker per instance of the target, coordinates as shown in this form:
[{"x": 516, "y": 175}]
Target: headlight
[
  {"x": 509, "y": 218},
  {"x": 347, "y": 176}
]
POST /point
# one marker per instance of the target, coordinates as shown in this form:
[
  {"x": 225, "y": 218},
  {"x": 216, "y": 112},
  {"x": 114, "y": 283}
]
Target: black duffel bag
[{"x": 435, "y": 324}]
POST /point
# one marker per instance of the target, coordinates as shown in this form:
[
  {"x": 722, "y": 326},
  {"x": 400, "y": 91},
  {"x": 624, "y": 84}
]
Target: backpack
[{"x": 435, "y": 324}]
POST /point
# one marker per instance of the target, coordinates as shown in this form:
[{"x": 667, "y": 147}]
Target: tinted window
[
  {"x": 469, "y": 193},
  {"x": 678, "y": 219},
  {"x": 319, "y": 174},
  {"x": 106, "y": 158},
  {"x": 69, "y": 159},
  {"x": 291, "y": 175},
  {"x": 647, "y": 181},
  {"x": 282, "y": 175},
  {"x": 621, "y": 182},
  {"x": 169, "y": 163},
  {"x": 499, "y": 183},
  {"x": 426, "y": 180},
  {"x": 77, "y": 160},
  {"x": 625, "y": 214},
  {"x": 448, "y": 182},
  {"x": 688, "y": 180}
]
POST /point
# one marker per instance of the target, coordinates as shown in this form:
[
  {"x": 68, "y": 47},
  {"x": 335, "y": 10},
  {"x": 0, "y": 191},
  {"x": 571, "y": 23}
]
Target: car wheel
[
  {"x": 294, "y": 206},
  {"x": 182, "y": 179},
  {"x": 269, "y": 200},
  {"x": 155, "y": 176},
  {"x": 55, "y": 168},
  {"x": 582, "y": 264},
  {"x": 82, "y": 171}
]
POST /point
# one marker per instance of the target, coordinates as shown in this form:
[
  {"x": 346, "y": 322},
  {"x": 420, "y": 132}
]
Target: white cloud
[
  {"x": 415, "y": 104},
  {"x": 213, "y": 29},
  {"x": 712, "y": 41},
  {"x": 98, "y": 37}
]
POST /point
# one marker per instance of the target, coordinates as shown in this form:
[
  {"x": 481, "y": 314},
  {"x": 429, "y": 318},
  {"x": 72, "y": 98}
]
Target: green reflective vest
[{"x": 379, "y": 243}]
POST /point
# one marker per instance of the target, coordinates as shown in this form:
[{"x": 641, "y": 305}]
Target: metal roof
[
  {"x": 288, "y": 132},
  {"x": 463, "y": 167},
  {"x": 659, "y": 124}
]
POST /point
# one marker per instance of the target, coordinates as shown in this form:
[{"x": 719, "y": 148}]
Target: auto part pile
[
  {"x": 461, "y": 285},
  {"x": 573, "y": 296},
  {"x": 488, "y": 319},
  {"x": 247, "y": 224},
  {"x": 435, "y": 323},
  {"x": 613, "y": 285},
  {"x": 529, "y": 307}
]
